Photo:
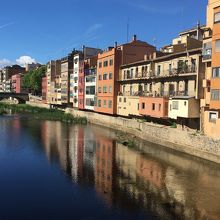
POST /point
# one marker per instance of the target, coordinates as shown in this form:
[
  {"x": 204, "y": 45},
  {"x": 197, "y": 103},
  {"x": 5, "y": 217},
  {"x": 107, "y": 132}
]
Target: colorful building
[
  {"x": 90, "y": 71},
  {"x": 210, "y": 105},
  {"x": 148, "y": 87},
  {"x": 17, "y": 83},
  {"x": 108, "y": 66}
]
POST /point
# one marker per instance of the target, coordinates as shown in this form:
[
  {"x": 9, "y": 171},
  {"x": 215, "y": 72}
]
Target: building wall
[
  {"x": 153, "y": 106},
  {"x": 16, "y": 83},
  {"x": 107, "y": 98},
  {"x": 187, "y": 108},
  {"x": 81, "y": 84},
  {"x": 75, "y": 86},
  {"x": 90, "y": 81},
  {"x": 215, "y": 82},
  {"x": 211, "y": 128},
  {"x": 128, "y": 105}
]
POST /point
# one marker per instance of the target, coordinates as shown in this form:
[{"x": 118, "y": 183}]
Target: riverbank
[
  {"x": 42, "y": 113},
  {"x": 189, "y": 142}
]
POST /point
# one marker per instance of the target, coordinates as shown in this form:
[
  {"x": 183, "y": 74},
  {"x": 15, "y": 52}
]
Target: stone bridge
[{"x": 21, "y": 97}]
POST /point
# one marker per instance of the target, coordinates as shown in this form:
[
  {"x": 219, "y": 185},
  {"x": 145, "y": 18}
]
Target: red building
[
  {"x": 44, "y": 89},
  {"x": 81, "y": 85},
  {"x": 16, "y": 83}
]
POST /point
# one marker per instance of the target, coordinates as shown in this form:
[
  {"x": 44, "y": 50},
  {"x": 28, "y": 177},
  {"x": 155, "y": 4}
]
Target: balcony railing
[
  {"x": 90, "y": 71},
  {"x": 167, "y": 73},
  {"x": 163, "y": 94}
]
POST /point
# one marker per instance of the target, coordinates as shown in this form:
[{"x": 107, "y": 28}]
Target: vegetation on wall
[{"x": 42, "y": 113}]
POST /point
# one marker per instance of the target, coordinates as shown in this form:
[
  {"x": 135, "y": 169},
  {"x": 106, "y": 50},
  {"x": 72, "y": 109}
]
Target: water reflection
[{"x": 147, "y": 178}]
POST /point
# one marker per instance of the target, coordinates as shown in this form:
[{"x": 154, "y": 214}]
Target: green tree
[{"x": 32, "y": 80}]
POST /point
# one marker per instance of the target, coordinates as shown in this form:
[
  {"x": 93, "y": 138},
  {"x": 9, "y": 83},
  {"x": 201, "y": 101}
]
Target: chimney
[
  {"x": 116, "y": 44},
  {"x": 134, "y": 38}
]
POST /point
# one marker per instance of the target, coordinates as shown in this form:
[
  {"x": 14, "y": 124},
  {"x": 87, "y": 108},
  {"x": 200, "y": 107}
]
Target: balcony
[
  {"x": 181, "y": 71},
  {"x": 90, "y": 72},
  {"x": 162, "y": 94}
]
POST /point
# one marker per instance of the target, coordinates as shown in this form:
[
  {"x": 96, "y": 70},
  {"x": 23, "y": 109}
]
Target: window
[
  {"x": 90, "y": 90},
  {"x": 110, "y": 89},
  {"x": 217, "y": 17},
  {"x": 99, "y": 103},
  {"x": 99, "y": 89},
  {"x": 185, "y": 103},
  {"x": 124, "y": 100},
  {"x": 153, "y": 106},
  {"x": 132, "y": 71},
  {"x": 170, "y": 67},
  {"x": 110, "y": 75},
  {"x": 105, "y": 76},
  {"x": 104, "y": 103},
  {"x": 175, "y": 105},
  {"x": 111, "y": 62},
  {"x": 105, "y": 64},
  {"x": 158, "y": 70},
  {"x": 215, "y": 94},
  {"x": 216, "y": 72},
  {"x": 143, "y": 105},
  {"x": 213, "y": 116},
  {"x": 159, "y": 107},
  {"x": 217, "y": 46},
  {"x": 119, "y": 99},
  {"x": 105, "y": 89},
  {"x": 100, "y": 64},
  {"x": 110, "y": 104},
  {"x": 100, "y": 77}
]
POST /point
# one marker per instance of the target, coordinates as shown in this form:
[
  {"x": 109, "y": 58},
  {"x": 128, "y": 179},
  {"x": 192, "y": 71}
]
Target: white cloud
[
  {"x": 6, "y": 25},
  {"x": 4, "y": 62},
  {"x": 25, "y": 60},
  {"x": 156, "y": 10}
]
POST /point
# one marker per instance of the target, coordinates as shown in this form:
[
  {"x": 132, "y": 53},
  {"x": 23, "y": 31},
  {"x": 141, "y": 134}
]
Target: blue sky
[{"x": 49, "y": 29}]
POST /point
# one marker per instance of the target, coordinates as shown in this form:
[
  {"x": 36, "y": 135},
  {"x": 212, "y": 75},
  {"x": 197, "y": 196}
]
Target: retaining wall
[{"x": 189, "y": 142}]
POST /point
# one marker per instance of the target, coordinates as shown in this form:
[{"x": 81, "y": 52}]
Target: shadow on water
[{"x": 147, "y": 178}]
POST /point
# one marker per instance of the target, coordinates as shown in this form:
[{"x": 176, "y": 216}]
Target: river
[{"x": 51, "y": 170}]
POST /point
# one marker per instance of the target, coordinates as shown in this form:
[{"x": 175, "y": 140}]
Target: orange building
[
  {"x": 154, "y": 107},
  {"x": 108, "y": 66},
  {"x": 211, "y": 103}
]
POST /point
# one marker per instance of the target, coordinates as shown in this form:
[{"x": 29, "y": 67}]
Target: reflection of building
[
  {"x": 151, "y": 171},
  {"x": 104, "y": 171}
]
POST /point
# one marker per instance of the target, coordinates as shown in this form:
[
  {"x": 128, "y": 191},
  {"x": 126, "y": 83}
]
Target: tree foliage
[{"x": 32, "y": 80}]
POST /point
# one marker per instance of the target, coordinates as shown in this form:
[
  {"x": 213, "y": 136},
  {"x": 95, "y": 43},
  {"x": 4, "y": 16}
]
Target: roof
[
  {"x": 165, "y": 56},
  {"x": 192, "y": 29}
]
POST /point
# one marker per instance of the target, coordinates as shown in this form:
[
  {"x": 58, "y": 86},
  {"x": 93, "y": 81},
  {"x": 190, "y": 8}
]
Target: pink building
[
  {"x": 156, "y": 107},
  {"x": 16, "y": 83}
]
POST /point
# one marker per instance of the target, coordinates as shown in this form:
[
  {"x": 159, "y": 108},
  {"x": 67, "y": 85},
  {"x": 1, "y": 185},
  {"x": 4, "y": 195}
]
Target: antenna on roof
[
  {"x": 154, "y": 41},
  {"x": 128, "y": 21}
]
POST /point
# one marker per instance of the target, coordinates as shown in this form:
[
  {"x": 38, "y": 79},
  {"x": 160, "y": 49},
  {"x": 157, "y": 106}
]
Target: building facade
[
  {"x": 210, "y": 105},
  {"x": 156, "y": 87},
  {"x": 108, "y": 66}
]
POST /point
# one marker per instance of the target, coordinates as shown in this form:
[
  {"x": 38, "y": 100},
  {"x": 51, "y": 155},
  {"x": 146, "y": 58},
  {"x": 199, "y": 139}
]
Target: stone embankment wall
[
  {"x": 38, "y": 104},
  {"x": 189, "y": 142}
]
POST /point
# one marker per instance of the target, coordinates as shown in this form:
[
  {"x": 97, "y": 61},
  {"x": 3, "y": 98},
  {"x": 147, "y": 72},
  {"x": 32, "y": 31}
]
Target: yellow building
[{"x": 175, "y": 72}]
